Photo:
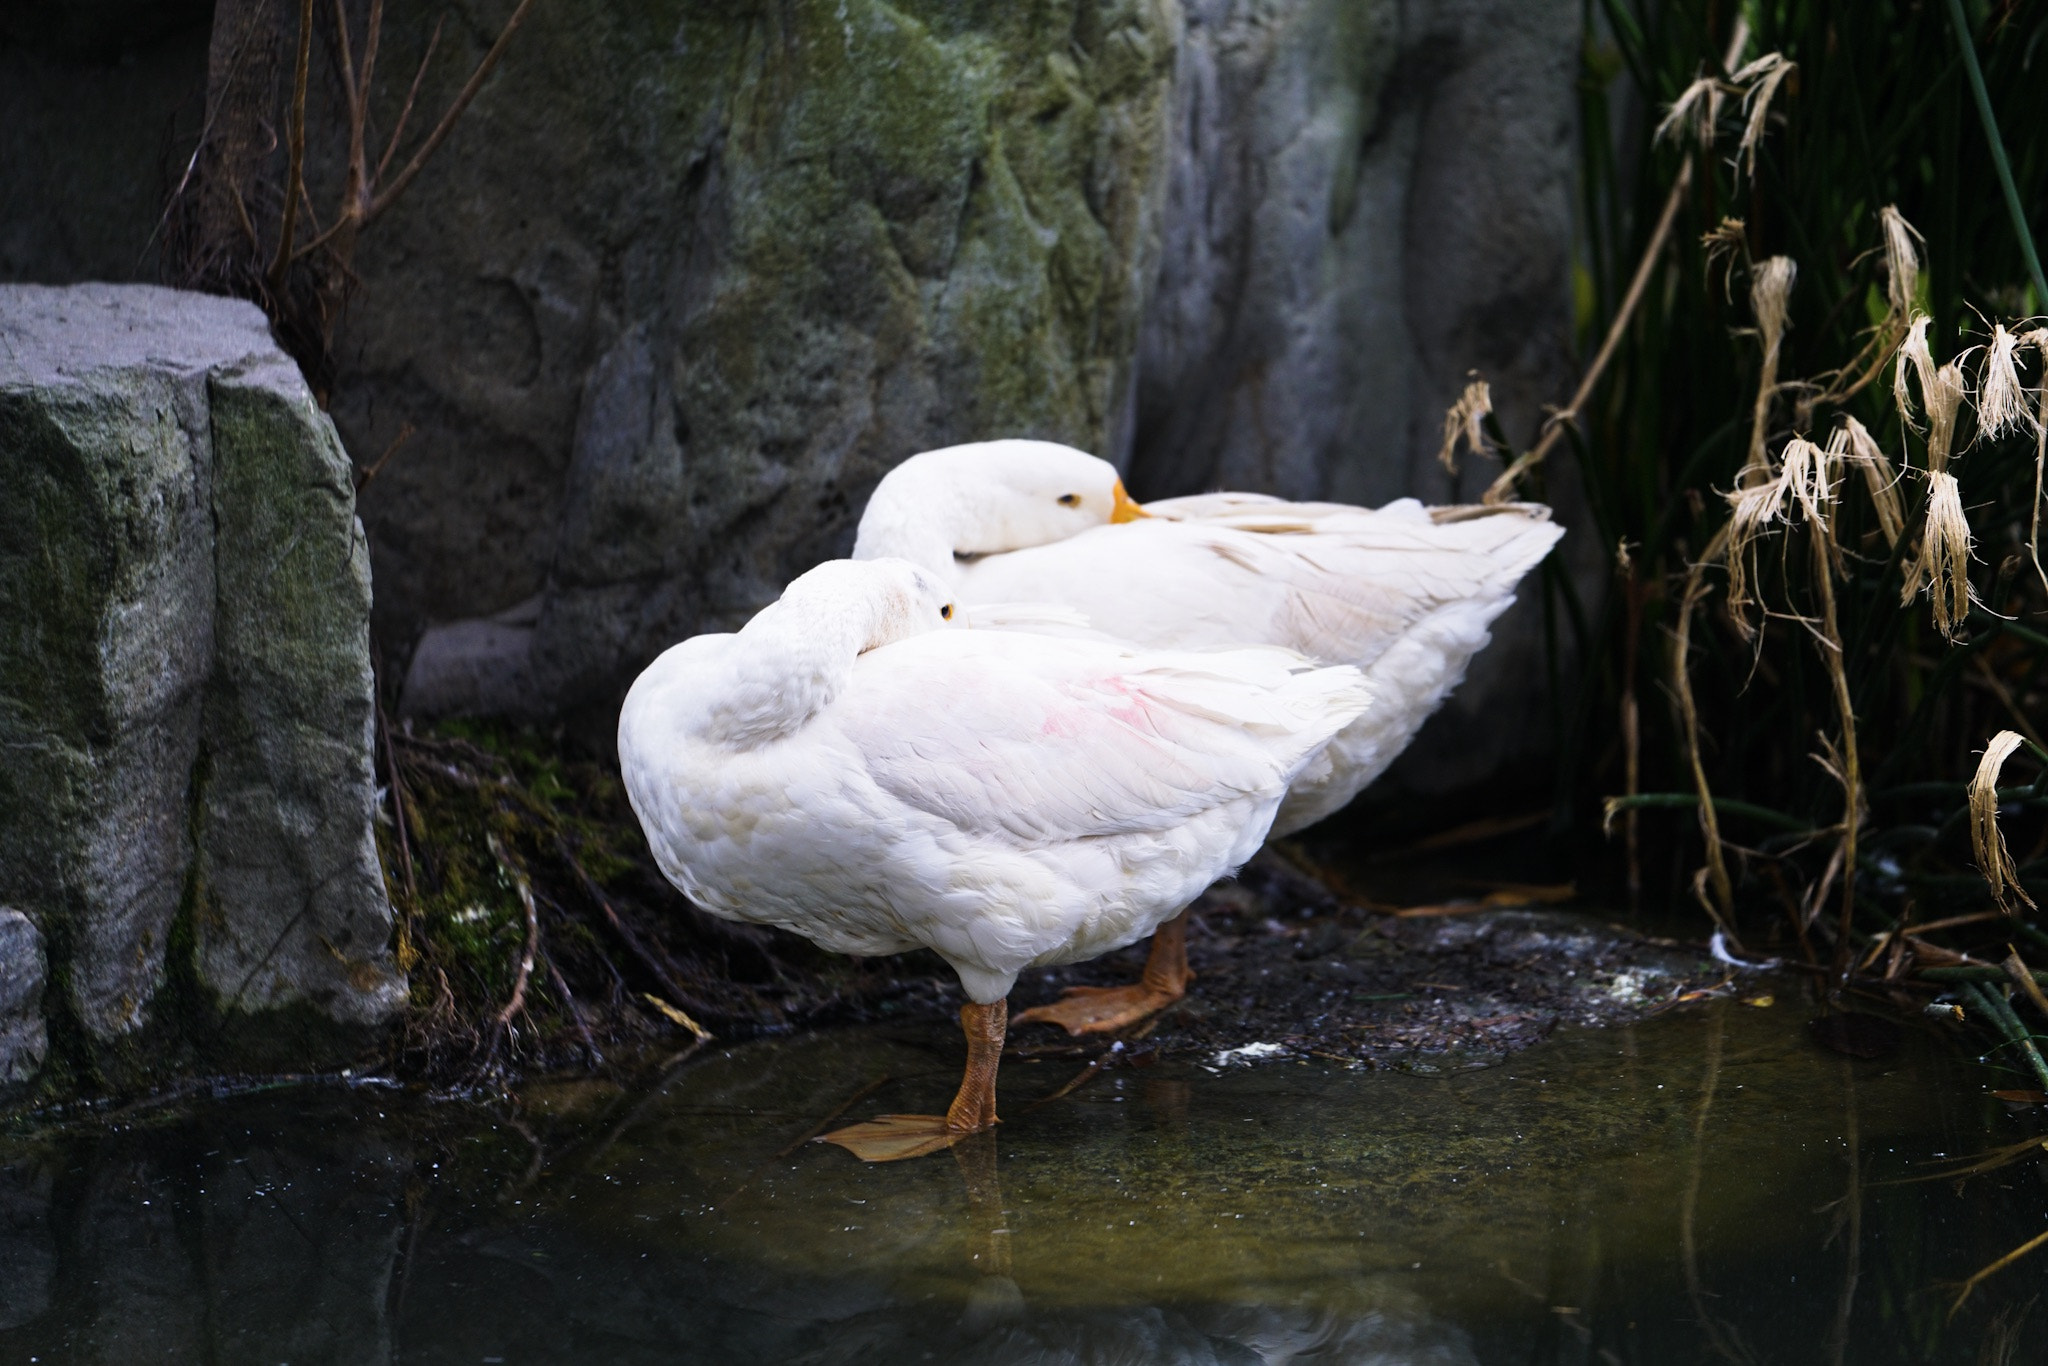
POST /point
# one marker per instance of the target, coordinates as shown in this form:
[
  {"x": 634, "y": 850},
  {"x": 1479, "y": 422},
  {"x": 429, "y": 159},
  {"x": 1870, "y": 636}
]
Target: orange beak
[{"x": 1127, "y": 509}]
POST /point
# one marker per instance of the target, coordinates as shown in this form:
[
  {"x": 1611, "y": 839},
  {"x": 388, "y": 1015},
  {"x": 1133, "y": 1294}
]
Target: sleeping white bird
[
  {"x": 1403, "y": 592},
  {"x": 845, "y": 768}
]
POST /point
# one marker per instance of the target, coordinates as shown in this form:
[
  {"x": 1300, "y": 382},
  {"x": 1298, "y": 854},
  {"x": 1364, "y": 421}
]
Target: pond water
[{"x": 1707, "y": 1186}]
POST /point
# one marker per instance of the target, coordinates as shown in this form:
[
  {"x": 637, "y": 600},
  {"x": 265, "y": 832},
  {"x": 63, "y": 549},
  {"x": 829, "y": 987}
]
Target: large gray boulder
[{"x": 185, "y": 692}]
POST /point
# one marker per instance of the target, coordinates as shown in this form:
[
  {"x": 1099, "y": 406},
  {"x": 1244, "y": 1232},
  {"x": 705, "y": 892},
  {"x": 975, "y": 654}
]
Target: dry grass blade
[
  {"x": 2021, "y": 976},
  {"x": 1768, "y": 72},
  {"x": 1770, "y": 296},
  {"x": 1994, "y": 860},
  {"x": 1827, "y": 563},
  {"x": 1804, "y": 482},
  {"x": 1988, "y": 1272},
  {"x": 2002, "y": 401},
  {"x": 1914, "y": 357},
  {"x": 1943, "y": 564},
  {"x": 677, "y": 1016},
  {"x": 1464, "y": 421},
  {"x": 1860, "y": 449},
  {"x": 1901, "y": 262},
  {"x": 1721, "y": 244},
  {"x": 1697, "y": 108},
  {"x": 1715, "y": 874},
  {"x": 1945, "y": 398}
]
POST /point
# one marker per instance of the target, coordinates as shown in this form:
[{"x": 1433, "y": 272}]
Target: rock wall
[
  {"x": 185, "y": 691},
  {"x": 687, "y": 279}
]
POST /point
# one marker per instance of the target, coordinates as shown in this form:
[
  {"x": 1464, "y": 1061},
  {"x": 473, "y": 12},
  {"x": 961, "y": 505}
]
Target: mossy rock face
[
  {"x": 185, "y": 691},
  {"x": 702, "y": 304},
  {"x": 689, "y": 275}
]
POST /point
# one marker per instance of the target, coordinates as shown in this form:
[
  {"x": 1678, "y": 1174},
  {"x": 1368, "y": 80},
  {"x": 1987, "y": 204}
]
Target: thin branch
[
  {"x": 376, "y": 467},
  {"x": 1502, "y": 489},
  {"x": 411, "y": 96},
  {"x": 517, "y": 1002},
  {"x": 348, "y": 64},
  {"x": 1852, "y": 764},
  {"x": 434, "y": 140},
  {"x": 295, "y": 172}
]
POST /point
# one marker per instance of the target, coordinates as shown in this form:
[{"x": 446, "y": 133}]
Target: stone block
[{"x": 185, "y": 691}]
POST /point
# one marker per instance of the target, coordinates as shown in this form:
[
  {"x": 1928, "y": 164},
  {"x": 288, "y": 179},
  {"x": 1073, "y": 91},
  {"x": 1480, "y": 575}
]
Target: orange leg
[
  {"x": 891, "y": 1138},
  {"x": 1100, "y": 1010}
]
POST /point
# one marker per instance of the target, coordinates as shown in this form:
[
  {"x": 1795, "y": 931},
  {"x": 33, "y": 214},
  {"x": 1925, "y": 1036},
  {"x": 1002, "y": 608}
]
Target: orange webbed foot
[{"x": 1102, "y": 1010}]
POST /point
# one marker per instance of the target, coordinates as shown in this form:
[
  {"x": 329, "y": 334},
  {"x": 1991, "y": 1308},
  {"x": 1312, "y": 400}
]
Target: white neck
[
  {"x": 773, "y": 676},
  {"x": 916, "y": 515},
  {"x": 785, "y": 666}
]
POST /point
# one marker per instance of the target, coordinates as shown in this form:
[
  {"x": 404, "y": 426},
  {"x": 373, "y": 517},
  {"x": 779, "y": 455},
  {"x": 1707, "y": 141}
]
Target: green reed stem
[
  {"x": 2007, "y": 1024},
  {"x": 1998, "y": 160}
]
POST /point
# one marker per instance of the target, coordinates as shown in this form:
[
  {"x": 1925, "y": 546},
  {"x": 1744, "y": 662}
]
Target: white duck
[
  {"x": 844, "y": 768},
  {"x": 1403, "y": 592}
]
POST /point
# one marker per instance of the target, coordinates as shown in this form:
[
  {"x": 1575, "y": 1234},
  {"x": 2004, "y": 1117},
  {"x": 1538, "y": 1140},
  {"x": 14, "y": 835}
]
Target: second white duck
[
  {"x": 1403, "y": 592},
  {"x": 846, "y": 768}
]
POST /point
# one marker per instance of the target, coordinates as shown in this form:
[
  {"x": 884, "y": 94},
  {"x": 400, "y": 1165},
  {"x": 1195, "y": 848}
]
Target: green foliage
[{"x": 1877, "y": 113}]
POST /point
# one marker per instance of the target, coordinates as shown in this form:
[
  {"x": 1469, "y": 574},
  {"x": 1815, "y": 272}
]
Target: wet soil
[{"x": 1286, "y": 966}]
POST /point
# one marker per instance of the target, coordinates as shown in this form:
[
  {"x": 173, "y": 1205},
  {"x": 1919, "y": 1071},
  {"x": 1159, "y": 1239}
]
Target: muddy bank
[{"x": 1288, "y": 967}]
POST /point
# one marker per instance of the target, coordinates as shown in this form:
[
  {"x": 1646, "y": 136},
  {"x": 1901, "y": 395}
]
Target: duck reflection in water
[{"x": 997, "y": 1326}]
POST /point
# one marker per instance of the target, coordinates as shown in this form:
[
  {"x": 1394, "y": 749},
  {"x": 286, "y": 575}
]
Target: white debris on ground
[
  {"x": 1631, "y": 986},
  {"x": 1248, "y": 1054}
]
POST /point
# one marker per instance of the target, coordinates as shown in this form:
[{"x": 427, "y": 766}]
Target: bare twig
[
  {"x": 441, "y": 131},
  {"x": 2001, "y": 1264},
  {"x": 517, "y": 1002},
  {"x": 1502, "y": 489},
  {"x": 575, "y": 1014},
  {"x": 411, "y": 97},
  {"x": 376, "y": 467},
  {"x": 295, "y": 171},
  {"x": 1723, "y": 906},
  {"x": 1852, "y": 766}
]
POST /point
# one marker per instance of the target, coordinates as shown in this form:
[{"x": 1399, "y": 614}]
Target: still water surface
[{"x": 1706, "y": 1187}]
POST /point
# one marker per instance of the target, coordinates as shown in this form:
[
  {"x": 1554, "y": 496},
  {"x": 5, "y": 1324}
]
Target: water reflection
[{"x": 1707, "y": 1188}]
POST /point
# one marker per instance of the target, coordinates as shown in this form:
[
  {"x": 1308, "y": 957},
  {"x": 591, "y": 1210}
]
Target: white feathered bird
[
  {"x": 845, "y": 768},
  {"x": 1403, "y": 592}
]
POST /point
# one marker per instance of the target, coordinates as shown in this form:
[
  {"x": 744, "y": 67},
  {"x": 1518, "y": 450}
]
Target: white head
[
  {"x": 963, "y": 502},
  {"x": 870, "y": 604}
]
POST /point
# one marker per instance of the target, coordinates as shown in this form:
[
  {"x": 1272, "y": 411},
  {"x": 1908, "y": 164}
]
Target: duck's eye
[
  {"x": 946, "y": 612},
  {"x": 1070, "y": 500}
]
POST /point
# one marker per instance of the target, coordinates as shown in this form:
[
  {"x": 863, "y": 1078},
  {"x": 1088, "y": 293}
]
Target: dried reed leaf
[
  {"x": 1464, "y": 420},
  {"x": 1994, "y": 860},
  {"x": 1943, "y": 564},
  {"x": 1863, "y": 452},
  {"x": 1913, "y": 353},
  {"x": 1901, "y": 261},
  {"x": 1770, "y": 297},
  {"x": 1804, "y": 483},
  {"x": 1697, "y": 107},
  {"x": 1768, "y": 72},
  {"x": 2002, "y": 401},
  {"x": 1945, "y": 398},
  {"x": 1727, "y": 238}
]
